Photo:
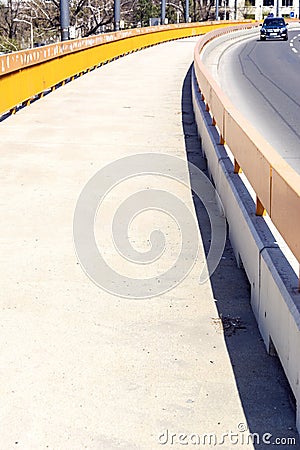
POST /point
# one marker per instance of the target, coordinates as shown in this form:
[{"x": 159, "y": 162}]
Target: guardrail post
[
  {"x": 236, "y": 167},
  {"x": 260, "y": 210}
]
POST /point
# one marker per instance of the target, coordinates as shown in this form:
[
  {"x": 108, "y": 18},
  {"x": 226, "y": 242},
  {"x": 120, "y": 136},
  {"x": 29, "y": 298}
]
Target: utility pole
[
  {"x": 64, "y": 19},
  {"x": 117, "y": 15},
  {"x": 187, "y": 10},
  {"x": 277, "y": 8},
  {"x": 163, "y": 12}
]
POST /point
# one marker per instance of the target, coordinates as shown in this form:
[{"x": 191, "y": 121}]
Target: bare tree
[
  {"x": 88, "y": 17},
  {"x": 8, "y": 13}
]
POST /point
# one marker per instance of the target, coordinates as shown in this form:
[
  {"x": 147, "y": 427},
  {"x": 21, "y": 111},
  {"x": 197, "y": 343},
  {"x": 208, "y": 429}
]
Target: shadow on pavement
[{"x": 263, "y": 388}]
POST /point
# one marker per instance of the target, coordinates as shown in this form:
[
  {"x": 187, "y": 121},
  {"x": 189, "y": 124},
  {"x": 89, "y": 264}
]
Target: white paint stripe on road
[{"x": 294, "y": 50}]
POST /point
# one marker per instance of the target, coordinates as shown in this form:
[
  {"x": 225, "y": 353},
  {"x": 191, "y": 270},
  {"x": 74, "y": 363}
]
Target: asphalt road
[{"x": 262, "y": 79}]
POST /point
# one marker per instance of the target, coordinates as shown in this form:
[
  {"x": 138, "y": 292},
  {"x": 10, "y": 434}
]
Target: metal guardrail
[
  {"x": 30, "y": 73},
  {"x": 276, "y": 184}
]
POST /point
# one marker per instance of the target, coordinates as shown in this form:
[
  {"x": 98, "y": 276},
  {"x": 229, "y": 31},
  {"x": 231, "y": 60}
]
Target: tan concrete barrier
[
  {"x": 275, "y": 299},
  {"x": 276, "y": 184}
]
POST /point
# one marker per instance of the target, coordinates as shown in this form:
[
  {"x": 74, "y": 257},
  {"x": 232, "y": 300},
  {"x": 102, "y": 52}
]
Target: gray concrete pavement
[{"x": 83, "y": 368}]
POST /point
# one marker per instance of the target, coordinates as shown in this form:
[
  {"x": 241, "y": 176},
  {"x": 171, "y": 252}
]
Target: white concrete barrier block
[
  {"x": 279, "y": 316},
  {"x": 273, "y": 313},
  {"x": 238, "y": 205},
  {"x": 274, "y": 295}
]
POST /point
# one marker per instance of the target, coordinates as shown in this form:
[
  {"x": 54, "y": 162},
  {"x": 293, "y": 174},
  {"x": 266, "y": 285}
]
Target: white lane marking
[
  {"x": 294, "y": 50},
  {"x": 291, "y": 44}
]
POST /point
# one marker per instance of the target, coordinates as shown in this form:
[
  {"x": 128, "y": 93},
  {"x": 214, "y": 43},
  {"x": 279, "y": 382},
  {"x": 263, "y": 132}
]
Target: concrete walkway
[{"x": 85, "y": 368}]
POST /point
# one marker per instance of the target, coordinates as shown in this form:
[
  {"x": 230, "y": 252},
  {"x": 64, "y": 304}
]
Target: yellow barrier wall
[{"x": 27, "y": 73}]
